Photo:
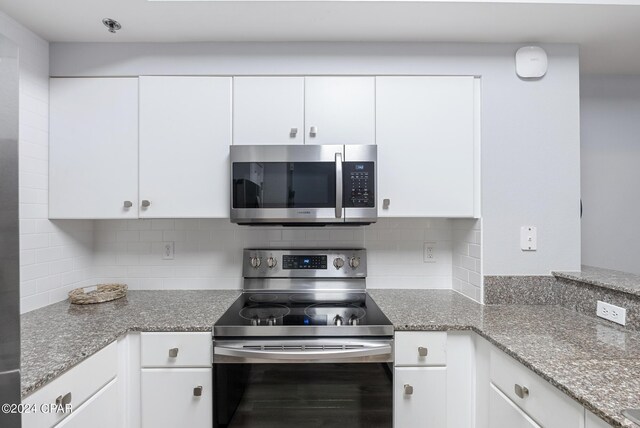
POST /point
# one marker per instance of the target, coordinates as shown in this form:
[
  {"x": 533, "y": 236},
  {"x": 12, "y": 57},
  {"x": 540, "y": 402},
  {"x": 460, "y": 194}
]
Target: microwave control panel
[{"x": 358, "y": 184}]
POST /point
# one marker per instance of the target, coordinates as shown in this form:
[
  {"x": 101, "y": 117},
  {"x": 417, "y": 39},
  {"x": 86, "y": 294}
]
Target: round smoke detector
[{"x": 111, "y": 24}]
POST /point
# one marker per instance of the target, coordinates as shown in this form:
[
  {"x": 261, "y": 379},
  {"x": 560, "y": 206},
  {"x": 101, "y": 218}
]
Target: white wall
[
  {"x": 530, "y": 129},
  {"x": 53, "y": 257},
  {"x": 610, "y": 157},
  {"x": 208, "y": 252}
]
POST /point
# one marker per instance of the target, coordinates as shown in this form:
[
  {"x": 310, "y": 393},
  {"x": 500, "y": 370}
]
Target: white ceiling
[{"x": 609, "y": 34}]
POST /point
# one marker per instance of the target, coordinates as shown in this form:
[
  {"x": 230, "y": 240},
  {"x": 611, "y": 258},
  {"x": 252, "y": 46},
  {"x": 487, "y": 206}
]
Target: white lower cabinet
[
  {"x": 177, "y": 398},
  {"x": 503, "y": 413},
  {"x": 79, "y": 387},
  {"x": 176, "y": 385},
  {"x": 100, "y": 411},
  {"x": 419, "y": 397}
]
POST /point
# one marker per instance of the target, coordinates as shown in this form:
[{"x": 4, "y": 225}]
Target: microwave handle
[{"x": 338, "y": 185}]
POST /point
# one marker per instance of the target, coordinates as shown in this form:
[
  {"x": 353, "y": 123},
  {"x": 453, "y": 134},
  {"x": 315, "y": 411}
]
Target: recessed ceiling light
[{"x": 111, "y": 24}]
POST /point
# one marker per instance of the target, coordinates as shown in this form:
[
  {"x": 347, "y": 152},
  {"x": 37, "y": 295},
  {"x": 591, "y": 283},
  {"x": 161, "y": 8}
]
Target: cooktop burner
[{"x": 313, "y": 293}]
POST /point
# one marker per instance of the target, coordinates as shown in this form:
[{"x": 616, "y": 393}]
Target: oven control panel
[
  {"x": 291, "y": 261},
  {"x": 309, "y": 263},
  {"x": 358, "y": 184}
]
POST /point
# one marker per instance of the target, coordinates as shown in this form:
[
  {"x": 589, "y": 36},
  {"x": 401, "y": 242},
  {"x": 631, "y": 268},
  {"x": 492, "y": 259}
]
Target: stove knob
[
  {"x": 271, "y": 320},
  {"x": 255, "y": 321},
  {"x": 337, "y": 320},
  {"x": 338, "y": 263},
  {"x": 255, "y": 262},
  {"x": 354, "y": 262},
  {"x": 353, "y": 320},
  {"x": 272, "y": 262}
]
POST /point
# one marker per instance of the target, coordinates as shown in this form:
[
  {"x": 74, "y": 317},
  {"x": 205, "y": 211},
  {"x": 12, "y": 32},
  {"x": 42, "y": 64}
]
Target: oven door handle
[
  {"x": 338, "y": 185},
  {"x": 319, "y": 354}
]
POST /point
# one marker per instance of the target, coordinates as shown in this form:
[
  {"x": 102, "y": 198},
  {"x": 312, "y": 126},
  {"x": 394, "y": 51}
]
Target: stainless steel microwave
[{"x": 303, "y": 184}]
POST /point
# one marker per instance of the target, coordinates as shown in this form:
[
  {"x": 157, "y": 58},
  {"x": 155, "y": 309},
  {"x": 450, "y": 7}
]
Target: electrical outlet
[
  {"x": 168, "y": 250},
  {"x": 429, "y": 252},
  {"x": 611, "y": 312}
]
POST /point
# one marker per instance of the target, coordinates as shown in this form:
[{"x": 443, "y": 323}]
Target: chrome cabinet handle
[
  {"x": 128, "y": 204},
  {"x": 422, "y": 351},
  {"x": 197, "y": 391},
  {"x": 173, "y": 352},
  {"x": 313, "y": 131},
  {"x": 408, "y": 389},
  {"x": 293, "y": 132},
  {"x": 146, "y": 203},
  {"x": 338, "y": 185},
  {"x": 63, "y": 400},
  {"x": 521, "y": 391},
  {"x": 386, "y": 203}
]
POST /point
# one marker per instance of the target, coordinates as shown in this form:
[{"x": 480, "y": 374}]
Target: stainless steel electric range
[{"x": 304, "y": 342}]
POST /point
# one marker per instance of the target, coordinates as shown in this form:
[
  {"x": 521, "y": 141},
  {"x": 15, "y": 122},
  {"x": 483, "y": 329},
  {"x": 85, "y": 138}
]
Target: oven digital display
[{"x": 304, "y": 262}]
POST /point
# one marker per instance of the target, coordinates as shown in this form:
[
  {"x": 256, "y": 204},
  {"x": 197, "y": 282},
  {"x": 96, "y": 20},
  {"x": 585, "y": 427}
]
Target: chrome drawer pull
[
  {"x": 173, "y": 353},
  {"x": 408, "y": 389},
  {"x": 521, "y": 391},
  {"x": 293, "y": 132},
  {"x": 128, "y": 204},
  {"x": 422, "y": 351},
  {"x": 197, "y": 391}
]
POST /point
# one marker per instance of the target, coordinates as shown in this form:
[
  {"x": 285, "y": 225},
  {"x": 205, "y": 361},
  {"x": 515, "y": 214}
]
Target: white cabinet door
[
  {"x": 426, "y": 406},
  {"x": 425, "y": 131},
  {"x": 340, "y": 109},
  {"x": 268, "y": 110},
  {"x": 100, "y": 411},
  {"x": 168, "y": 398},
  {"x": 592, "y": 421},
  {"x": 93, "y": 148},
  {"x": 185, "y": 134},
  {"x": 503, "y": 413}
]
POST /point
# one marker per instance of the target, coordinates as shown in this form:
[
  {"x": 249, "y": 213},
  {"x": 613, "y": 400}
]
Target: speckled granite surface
[
  {"x": 59, "y": 336},
  {"x": 520, "y": 290},
  {"x": 577, "y": 354},
  {"x": 573, "y": 352},
  {"x": 606, "y": 278}
]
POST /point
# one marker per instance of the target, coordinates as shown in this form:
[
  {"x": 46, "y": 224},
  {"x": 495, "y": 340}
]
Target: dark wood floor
[{"x": 318, "y": 395}]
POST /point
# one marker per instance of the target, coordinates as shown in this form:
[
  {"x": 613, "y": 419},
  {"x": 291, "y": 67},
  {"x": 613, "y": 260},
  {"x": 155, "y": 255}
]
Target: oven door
[
  {"x": 302, "y": 184},
  {"x": 293, "y": 383}
]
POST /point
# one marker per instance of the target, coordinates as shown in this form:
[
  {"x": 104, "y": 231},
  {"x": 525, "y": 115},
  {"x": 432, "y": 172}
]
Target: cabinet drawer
[
  {"x": 176, "y": 349},
  {"x": 100, "y": 411},
  {"x": 82, "y": 381},
  {"x": 410, "y": 349},
  {"x": 544, "y": 403}
]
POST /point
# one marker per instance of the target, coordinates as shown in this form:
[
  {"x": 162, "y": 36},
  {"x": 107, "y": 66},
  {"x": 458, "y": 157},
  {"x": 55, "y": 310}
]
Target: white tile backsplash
[
  {"x": 48, "y": 251},
  {"x": 467, "y": 257},
  {"x": 208, "y": 251}
]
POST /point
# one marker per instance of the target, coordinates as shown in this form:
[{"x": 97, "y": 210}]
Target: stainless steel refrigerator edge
[{"x": 9, "y": 235}]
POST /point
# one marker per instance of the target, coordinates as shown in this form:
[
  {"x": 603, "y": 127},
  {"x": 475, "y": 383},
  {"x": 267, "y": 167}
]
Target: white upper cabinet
[
  {"x": 93, "y": 148},
  {"x": 340, "y": 110},
  {"x": 268, "y": 110},
  {"x": 185, "y": 133},
  {"x": 427, "y": 136}
]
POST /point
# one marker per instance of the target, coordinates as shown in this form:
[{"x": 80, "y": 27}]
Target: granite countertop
[
  {"x": 591, "y": 360},
  {"x": 579, "y": 355},
  {"x": 605, "y": 278},
  {"x": 59, "y": 336}
]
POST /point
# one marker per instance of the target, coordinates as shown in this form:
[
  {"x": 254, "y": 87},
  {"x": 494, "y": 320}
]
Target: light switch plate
[{"x": 529, "y": 238}]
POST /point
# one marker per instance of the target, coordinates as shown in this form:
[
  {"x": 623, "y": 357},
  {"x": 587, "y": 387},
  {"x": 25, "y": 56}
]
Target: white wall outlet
[
  {"x": 529, "y": 238},
  {"x": 611, "y": 312},
  {"x": 429, "y": 252},
  {"x": 168, "y": 250}
]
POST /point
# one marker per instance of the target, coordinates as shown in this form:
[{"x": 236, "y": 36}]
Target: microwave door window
[{"x": 284, "y": 185}]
